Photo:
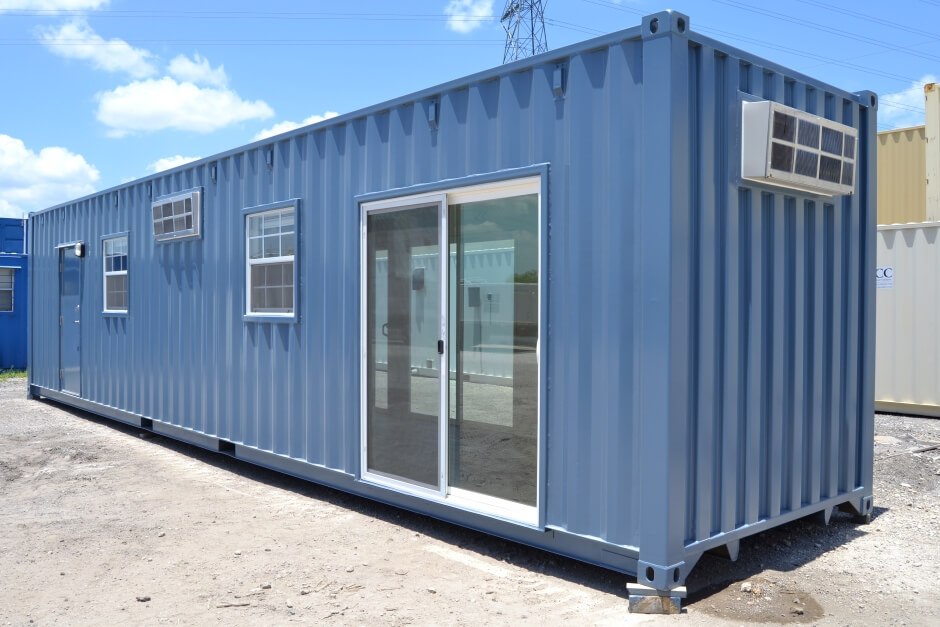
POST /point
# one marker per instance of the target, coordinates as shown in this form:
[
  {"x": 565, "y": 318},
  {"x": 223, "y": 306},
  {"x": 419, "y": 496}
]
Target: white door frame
[{"x": 459, "y": 498}]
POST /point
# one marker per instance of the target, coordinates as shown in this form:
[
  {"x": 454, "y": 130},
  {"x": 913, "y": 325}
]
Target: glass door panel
[
  {"x": 403, "y": 328},
  {"x": 493, "y": 329}
]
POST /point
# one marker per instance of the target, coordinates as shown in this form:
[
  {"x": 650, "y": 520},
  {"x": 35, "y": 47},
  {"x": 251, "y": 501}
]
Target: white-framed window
[
  {"x": 177, "y": 216},
  {"x": 115, "y": 274},
  {"x": 270, "y": 247},
  {"x": 6, "y": 289}
]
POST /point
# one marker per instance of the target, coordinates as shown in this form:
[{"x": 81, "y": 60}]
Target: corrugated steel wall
[
  {"x": 778, "y": 301},
  {"x": 769, "y": 291},
  {"x": 907, "y": 376},
  {"x": 772, "y": 382},
  {"x": 902, "y": 176}
]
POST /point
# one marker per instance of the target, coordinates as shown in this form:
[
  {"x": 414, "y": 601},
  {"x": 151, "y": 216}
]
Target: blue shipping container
[
  {"x": 541, "y": 301},
  {"x": 14, "y": 266}
]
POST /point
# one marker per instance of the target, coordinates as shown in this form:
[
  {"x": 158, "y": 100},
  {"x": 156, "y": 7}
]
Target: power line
[
  {"x": 257, "y": 42},
  {"x": 765, "y": 43},
  {"x": 279, "y": 15},
  {"x": 372, "y": 16},
  {"x": 575, "y": 27},
  {"x": 268, "y": 15},
  {"x": 871, "y": 18},
  {"x": 828, "y": 29},
  {"x": 614, "y": 5},
  {"x": 809, "y": 55},
  {"x": 242, "y": 15},
  {"x": 794, "y": 51}
]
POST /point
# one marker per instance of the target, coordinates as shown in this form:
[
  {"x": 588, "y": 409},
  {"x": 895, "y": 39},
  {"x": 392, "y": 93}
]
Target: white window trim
[
  {"x": 106, "y": 273},
  {"x": 249, "y": 262}
]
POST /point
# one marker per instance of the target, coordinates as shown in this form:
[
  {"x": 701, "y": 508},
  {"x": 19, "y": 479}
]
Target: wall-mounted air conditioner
[
  {"x": 790, "y": 148},
  {"x": 177, "y": 216}
]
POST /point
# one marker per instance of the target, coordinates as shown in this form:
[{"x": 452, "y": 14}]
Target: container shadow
[
  {"x": 784, "y": 548},
  {"x": 483, "y": 544}
]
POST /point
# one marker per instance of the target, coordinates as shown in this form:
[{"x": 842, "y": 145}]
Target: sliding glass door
[{"x": 451, "y": 326}]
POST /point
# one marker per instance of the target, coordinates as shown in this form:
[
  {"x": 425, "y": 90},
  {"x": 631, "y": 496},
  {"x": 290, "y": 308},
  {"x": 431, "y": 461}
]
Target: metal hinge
[
  {"x": 61, "y": 373},
  {"x": 61, "y": 321},
  {"x": 61, "y": 267}
]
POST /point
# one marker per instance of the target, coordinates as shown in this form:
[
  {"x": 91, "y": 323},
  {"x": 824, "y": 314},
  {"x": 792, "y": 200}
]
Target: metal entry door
[{"x": 70, "y": 321}]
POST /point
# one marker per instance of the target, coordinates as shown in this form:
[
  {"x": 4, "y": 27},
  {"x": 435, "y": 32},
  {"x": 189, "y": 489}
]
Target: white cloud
[
  {"x": 287, "y": 125},
  {"x": 468, "y": 15},
  {"x": 77, "y": 40},
  {"x": 51, "y": 5},
  {"x": 904, "y": 108},
  {"x": 167, "y": 163},
  {"x": 9, "y": 210},
  {"x": 158, "y": 104},
  {"x": 30, "y": 181},
  {"x": 193, "y": 97},
  {"x": 197, "y": 71}
]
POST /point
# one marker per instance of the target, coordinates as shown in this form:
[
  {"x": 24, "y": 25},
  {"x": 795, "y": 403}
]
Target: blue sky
[{"x": 98, "y": 92}]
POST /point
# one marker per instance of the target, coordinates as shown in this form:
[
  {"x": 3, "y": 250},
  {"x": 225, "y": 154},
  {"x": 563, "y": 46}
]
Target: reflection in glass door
[
  {"x": 403, "y": 328},
  {"x": 450, "y": 330},
  {"x": 493, "y": 327}
]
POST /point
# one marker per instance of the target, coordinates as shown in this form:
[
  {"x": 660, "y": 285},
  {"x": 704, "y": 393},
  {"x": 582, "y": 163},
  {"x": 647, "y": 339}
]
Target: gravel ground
[{"x": 99, "y": 525}]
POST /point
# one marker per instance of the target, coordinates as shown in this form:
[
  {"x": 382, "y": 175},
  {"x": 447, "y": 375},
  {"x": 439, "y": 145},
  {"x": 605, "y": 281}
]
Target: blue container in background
[
  {"x": 14, "y": 288},
  {"x": 543, "y": 301}
]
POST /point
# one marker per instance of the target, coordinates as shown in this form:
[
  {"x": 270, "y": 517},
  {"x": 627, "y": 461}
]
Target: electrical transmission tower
[{"x": 524, "y": 23}]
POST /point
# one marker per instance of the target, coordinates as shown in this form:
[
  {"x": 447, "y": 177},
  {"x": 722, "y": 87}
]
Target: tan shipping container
[{"x": 902, "y": 176}]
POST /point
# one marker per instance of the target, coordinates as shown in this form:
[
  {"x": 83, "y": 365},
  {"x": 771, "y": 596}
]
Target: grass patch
[{"x": 12, "y": 373}]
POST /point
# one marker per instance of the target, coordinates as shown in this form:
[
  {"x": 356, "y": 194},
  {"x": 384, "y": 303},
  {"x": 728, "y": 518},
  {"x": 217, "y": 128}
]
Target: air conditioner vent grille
[
  {"x": 807, "y": 163},
  {"x": 832, "y": 141},
  {"x": 830, "y": 169},
  {"x": 784, "y": 126},
  {"x": 849, "y": 151},
  {"x": 781, "y": 157},
  {"x": 809, "y": 134},
  {"x": 848, "y": 169},
  {"x": 791, "y": 148}
]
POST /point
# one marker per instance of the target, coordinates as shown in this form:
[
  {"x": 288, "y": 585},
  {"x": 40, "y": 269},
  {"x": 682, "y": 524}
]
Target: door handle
[
  {"x": 78, "y": 322},
  {"x": 385, "y": 329},
  {"x": 440, "y": 347}
]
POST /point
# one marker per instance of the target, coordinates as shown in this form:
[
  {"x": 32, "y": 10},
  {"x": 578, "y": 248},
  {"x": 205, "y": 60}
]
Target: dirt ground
[{"x": 99, "y": 525}]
